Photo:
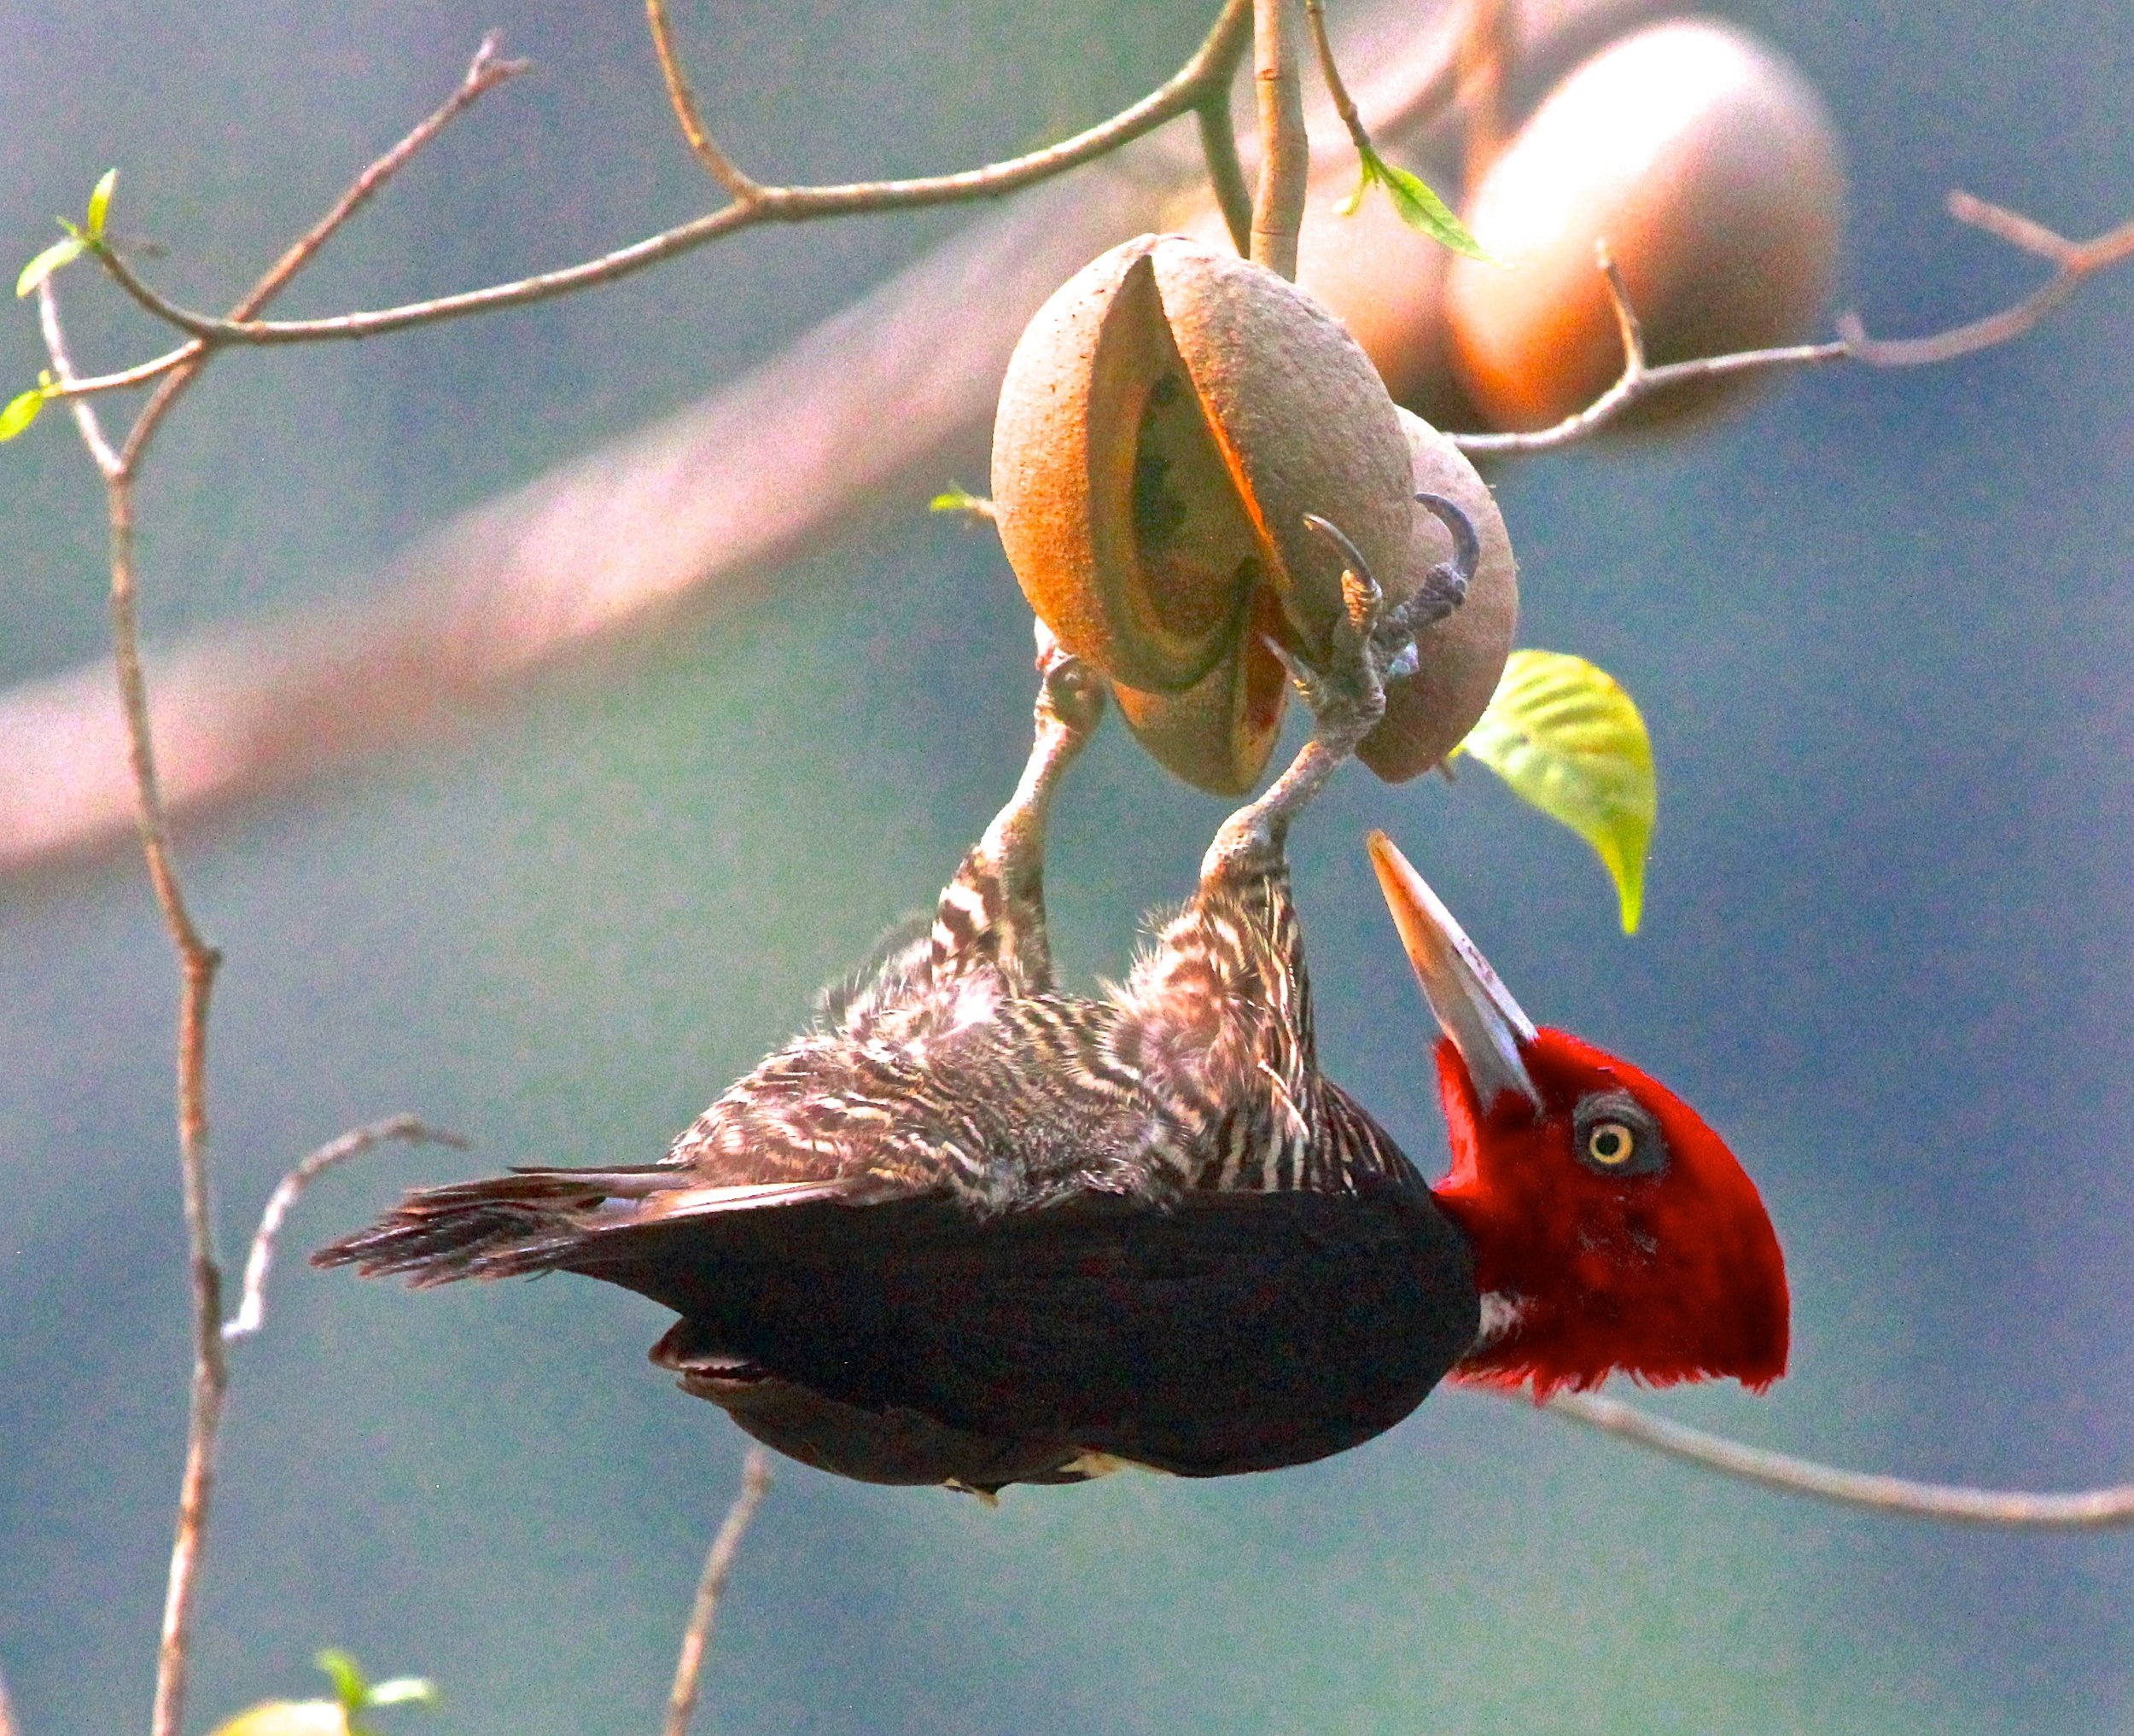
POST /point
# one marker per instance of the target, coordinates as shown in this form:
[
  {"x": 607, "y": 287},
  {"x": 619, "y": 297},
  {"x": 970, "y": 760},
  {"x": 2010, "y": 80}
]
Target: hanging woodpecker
[{"x": 969, "y": 1229}]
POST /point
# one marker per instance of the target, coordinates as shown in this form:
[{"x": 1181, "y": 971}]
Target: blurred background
[{"x": 1879, "y": 627}]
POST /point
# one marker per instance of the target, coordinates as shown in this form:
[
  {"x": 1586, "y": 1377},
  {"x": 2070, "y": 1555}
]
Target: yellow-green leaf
[
  {"x": 1420, "y": 208},
  {"x": 961, "y": 500},
  {"x": 1563, "y": 733},
  {"x": 21, "y": 411},
  {"x": 62, "y": 251},
  {"x": 288, "y": 1718},
  {"x": 100, "y": 204}
]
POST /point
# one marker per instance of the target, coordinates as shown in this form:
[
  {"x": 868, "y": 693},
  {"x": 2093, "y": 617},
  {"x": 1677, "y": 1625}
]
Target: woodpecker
[{"x": 969, "y": 1229}]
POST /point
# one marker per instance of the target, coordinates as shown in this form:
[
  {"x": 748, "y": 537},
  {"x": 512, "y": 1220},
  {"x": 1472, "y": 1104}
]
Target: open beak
[{"x": 1475, "y": 1011}]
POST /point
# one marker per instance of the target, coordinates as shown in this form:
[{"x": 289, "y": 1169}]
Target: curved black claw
[
  {"x": 1360, "y": 589},
  {"x": 1444, "y": 587}
]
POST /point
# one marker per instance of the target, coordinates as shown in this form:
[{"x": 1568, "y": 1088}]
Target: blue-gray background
[{"x": 1881, "y": 630}]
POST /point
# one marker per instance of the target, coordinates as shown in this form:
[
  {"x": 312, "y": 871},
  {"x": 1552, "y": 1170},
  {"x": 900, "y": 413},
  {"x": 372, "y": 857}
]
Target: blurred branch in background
[
  {"x": 694, "y": 516},
  {"x": 681, "y": 1699}
]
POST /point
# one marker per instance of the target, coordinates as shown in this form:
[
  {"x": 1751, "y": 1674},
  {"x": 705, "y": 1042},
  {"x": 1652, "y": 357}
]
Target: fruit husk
[
  {"x": 1459, "y": 659},
  {"x": 1168, "y": 419},
  {"x": 1219, "y": 735}
]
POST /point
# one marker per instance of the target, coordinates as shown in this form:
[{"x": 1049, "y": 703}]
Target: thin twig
[
  {"x": 1330, "y": 74},
  {"x": 251, "y": 1313},
  {"x": 86, "y": 421},
  {"x": 2080, "y": 1509},
  {"x": 2073, "y": 262},
  {"x": 485, "y": 71},
  {"x": 7, "y": 1711},
  {"x": 722, "y": 168},
  {"x": 1209, "y": 69},
  {"x": 1278, "y": 212},
  {"x": 1226, "y": 174},
  {"x": 681, "y": 1700}
]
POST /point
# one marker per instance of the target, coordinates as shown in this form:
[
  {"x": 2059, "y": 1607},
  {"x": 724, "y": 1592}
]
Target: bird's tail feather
[{"x": 534, "y": 1221}]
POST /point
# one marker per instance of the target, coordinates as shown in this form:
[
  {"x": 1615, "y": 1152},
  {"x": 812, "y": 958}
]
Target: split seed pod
[
  {"x": 1219, "y": 734},
  {"x": 1710, "y": 167},
  {"x": 1167, "y": 421}
]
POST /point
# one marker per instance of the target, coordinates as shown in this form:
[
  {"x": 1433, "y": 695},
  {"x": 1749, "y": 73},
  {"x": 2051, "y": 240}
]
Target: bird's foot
[
  {"x": 1070, "y": 694},
  {"x": 1371, "y": 643},
  {"x": 1444, "y": 590}
]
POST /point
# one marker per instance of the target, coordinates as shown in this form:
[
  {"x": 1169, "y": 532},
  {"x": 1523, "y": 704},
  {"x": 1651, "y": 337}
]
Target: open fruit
[{"x": 1167, "y": 421}]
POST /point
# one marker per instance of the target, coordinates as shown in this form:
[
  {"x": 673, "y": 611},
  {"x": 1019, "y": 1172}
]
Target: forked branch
[
  {"x": 1205, "y": 77},
  {"x": 2073, "y": 262}
]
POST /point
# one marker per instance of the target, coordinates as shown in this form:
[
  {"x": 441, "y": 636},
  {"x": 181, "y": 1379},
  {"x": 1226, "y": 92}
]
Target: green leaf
[
  {"x": 404, "y": 1690},
  {"x": 347, "y": 1678},
  {"x": 1420, "y": 208},
  {"x": 63, "y": 252},
  {"x": 288, "y": 1718},
  {"x": 21, "y": 410},
  {"x": 961, "y": 500},
  {"x": 1568, "y": 739},
  {"x": 100, "y": 204}
]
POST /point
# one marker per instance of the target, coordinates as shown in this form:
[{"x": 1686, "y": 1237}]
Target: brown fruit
[
  {"x": 1710, "y": 167},
  {"x": 1167, "y": 420},
  {"x": 1382, "y": 279}
]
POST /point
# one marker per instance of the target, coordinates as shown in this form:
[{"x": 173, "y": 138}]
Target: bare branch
[
  {"x": 251, "y": 1313},
  {"x": 140, "y": 374},
  {"x": 86, "y": 423},
  {"x": 717, "y": 164},
  {"x": 2076, "y": 261},
  {"x": 1209, "y": 69},
  {"x": 484, "y": 74},
  {"x": 1330, "y": 74},
  {"x": 2081, "y": 1510},
  {"x": 1278, "y": 212},
  {"x": 485, "y": 71},
  {"x": 681, "y": 1700},
  {"x": 198, "y": 961}
]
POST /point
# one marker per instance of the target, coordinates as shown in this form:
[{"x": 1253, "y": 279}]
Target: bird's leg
[
  {"x": 1371, "y": 643},
  {"x": 992, "y": 912}
]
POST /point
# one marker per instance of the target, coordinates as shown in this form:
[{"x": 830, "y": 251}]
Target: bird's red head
[{"x": 1614, "y": 1232}]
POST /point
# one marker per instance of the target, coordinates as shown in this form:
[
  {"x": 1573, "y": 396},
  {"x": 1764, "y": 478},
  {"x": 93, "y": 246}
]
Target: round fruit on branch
[{"x": 1168, "y": 419}]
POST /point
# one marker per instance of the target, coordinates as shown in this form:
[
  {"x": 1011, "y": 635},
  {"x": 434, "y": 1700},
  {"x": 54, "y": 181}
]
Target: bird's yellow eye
[{"x": 1611, "y": 1144}]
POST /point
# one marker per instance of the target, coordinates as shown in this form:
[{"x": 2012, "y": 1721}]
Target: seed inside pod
[{"x": 1167, "y": 420}]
